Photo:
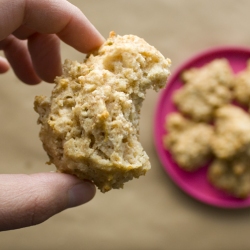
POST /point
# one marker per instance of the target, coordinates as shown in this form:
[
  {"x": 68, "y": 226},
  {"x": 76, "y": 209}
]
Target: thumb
[{"x": 28, "y": 200}]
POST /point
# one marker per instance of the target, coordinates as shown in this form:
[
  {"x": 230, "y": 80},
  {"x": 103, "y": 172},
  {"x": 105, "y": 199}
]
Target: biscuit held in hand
[{"x": 90, "y": 125}]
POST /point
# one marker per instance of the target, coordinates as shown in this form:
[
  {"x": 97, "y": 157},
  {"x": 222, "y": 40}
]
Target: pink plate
[{"x": 196, "y": 184}]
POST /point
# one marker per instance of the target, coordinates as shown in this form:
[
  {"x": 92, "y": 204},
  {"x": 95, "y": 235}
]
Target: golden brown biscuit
[
  {"x": 205, "y": 89},
  {"x": 231, "y": 176},
  {"x": 232, "y": 131},
  {"x": 90, "y": 124},
  {"x": 242, "y": 86},
  {"x": 188, "y": 142}
]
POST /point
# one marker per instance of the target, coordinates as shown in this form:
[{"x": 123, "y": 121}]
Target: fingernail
[{"x": 81, "y": 193}]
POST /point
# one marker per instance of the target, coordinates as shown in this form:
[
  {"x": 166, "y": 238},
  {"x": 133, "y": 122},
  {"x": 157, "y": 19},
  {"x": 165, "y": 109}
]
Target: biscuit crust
[
  {"x": 231, "y": 176},
  {"x": 188, "y": 141},
  {"x": 205, "y": 89},
  {"x": 232, "y": 132}
]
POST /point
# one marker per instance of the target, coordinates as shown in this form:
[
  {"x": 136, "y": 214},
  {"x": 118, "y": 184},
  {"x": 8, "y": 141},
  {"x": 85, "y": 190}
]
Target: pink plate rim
[{"x": 217, "y": 201}]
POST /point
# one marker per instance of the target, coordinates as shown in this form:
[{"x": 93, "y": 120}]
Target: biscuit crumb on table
[{"x": 90, "y": 124}]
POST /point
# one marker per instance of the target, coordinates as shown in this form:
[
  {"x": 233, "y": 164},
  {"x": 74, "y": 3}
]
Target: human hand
[
  {"x": 30, "y": 32},
  {"x": 27, "y": 200}
]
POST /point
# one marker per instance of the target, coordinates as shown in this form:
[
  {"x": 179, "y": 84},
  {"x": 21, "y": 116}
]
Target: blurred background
[{"x": 151, "y": 212}]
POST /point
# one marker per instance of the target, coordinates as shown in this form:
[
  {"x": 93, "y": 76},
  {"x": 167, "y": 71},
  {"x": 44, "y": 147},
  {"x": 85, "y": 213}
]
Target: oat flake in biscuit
[{"x": 90, "y": 124}]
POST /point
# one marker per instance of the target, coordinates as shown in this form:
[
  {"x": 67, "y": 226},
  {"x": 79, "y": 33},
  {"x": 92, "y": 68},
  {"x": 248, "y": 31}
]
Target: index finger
[{"x": 50, "y": 17}]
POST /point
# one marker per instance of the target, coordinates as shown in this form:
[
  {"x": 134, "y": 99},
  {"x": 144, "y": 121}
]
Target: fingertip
[
  {"x": 4, "y": 65},
  {"x": 31, "y": 81},
  {"x": 80, "y": 33},
  {"x": 96, "y": 40},
  {"x": 18, "y": 57},
  {"x": 81, "y": 193},
  {"x": 46, "y": 58}
]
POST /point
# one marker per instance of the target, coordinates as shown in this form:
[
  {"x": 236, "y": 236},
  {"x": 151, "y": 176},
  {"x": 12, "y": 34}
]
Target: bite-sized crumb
[
  {"x": 90, "y": 124},
  {"x": 188, "y": 142}
]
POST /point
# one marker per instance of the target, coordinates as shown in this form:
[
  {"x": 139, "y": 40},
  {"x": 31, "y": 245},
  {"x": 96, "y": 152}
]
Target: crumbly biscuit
[
  {"x": 231, "y": 176},
  {"x": 188, "y": 142},
  {"x": 90, "y": 124},
  {"x": 232, "y": 131},
  {"x": 205, "y": 89},
  {"x": 241, "y": 88}
]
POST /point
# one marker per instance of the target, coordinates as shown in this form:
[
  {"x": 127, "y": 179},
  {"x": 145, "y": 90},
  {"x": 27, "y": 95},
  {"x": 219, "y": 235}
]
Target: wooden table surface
[{"x": 151, "y": 212}]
